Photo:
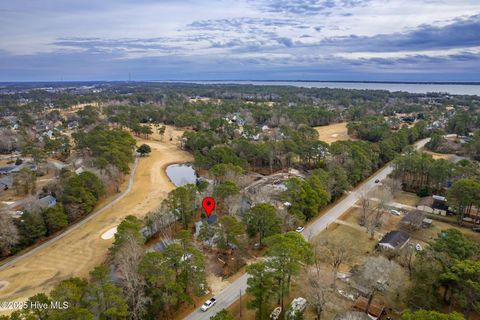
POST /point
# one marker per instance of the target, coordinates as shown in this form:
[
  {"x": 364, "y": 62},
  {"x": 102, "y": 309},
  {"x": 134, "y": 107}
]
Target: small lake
[{"x": 181, "y": 174}]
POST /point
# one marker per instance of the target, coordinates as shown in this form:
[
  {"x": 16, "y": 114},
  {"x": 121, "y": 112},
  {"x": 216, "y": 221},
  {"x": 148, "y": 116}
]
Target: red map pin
[{"x": 208, "y": 205}]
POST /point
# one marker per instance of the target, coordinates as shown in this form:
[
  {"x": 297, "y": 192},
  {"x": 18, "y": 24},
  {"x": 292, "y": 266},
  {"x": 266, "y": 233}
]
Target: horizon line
[{"x": 242, "y": 80}]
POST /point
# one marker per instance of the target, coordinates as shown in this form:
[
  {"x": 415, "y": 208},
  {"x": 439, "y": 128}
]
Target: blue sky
[{"x": 395, "y": 40}]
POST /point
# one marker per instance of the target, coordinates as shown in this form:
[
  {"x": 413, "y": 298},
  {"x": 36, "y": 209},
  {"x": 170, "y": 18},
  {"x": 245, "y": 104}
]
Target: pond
[{"x": 181, "y": 174}]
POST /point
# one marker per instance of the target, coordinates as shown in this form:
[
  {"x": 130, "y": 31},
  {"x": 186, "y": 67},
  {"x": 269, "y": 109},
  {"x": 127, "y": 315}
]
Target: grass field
[
  {"x": 80, "y": 251},
  {"x": 333, "y": 132}
]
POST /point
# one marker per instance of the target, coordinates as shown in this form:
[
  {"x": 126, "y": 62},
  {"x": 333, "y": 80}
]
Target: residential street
[{"x": 230, "y": 294}]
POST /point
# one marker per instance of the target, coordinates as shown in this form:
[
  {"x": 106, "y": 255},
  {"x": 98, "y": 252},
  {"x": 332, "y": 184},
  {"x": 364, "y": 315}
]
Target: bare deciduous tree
[
  {"x": 366, "y": 208},
  {"x": 407, "y": 257},
  {"x": 394, "y": 185},
  {"x": 334, "y": 253},
  {"x": 374, "y": 220},
  {"x": 377, "y": 274},
  {"x": 115, "y": 177},
  {"x": 127, "y": 260},
  {"x": 32, "y": 204},
  {"x": 25, "y": 182},
  {"x": 317, "y": 291},
  {"x": 8, "y": 234},
  {"x": 160, "y": 220}
]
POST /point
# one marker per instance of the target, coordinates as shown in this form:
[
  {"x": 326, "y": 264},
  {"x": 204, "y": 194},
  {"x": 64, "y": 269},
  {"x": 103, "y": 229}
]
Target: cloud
[
  {"x": 308, "y": 7},
  {"x": 462, "y": 33},
  {"x": 282, "y": 39}
]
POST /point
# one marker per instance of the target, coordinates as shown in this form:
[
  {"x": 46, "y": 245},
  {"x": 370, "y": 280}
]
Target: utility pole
[{"x": 240, "y": 303}]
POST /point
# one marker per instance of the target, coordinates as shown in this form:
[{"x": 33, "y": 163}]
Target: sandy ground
[
  {"x": 80, "y": 251},
  {"x": 333, "y": 132},
  {"x": 436, "y": 155}
]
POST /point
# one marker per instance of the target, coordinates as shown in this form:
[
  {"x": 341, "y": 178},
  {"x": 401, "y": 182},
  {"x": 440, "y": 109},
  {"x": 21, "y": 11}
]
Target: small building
[
  {"x": 375, "y": 310},
  {"x": 413, "y": 220},
  {"x": 210, "y": 220},
  {"x": 426, "y": 223},
  {"x": 8, "y": 169},
  {"x": 394, "y": 240},
  {"x": 6, "y": 183},
  {"x": 298, "y": 305},
  {"x": 353, "y": 315},
  {"x": 48, "y": 201},
  {"x": 434, "y": 204}
]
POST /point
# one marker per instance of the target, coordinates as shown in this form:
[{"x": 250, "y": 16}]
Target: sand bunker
[
  {"x": 333, "y": 132},
  {"x": 109, "y": 234},
  {"x": 3, "y": 284}
]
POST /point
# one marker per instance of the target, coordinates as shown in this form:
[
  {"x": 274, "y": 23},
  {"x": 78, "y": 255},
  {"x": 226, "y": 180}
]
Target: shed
[
  {"x": 426, "y": 223},
  {"x": 375, "y": 310},
  {"x": 396, "y": 239}
]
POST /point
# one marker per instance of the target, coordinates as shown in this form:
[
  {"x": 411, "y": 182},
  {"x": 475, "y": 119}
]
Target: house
[
  {"x": 375, "y": 310},
  {"x": 394, "y": 240},
  {"x": 6, "y": 183},
  {"x": 48, "y": 201},
  {"x": 413, "y": 220},
  {"x": 8, "y": 169},
  {"x": 210, "y": 220},
  {"x": 434, "y": 204},
  {"x": 353, "y": 315}
]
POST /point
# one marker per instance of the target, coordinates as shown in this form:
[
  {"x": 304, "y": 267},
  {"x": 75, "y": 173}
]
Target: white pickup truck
[{"x": 208, "y": 304}]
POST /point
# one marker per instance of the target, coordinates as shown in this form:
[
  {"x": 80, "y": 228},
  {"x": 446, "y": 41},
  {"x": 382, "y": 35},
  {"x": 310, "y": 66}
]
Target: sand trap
[
  {"x": 333, "y": 132},
  {"x": 109, "y": 234},
  {"x": 4, "y": 284}
]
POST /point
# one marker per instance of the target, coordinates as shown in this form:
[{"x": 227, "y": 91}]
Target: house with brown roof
[
  {"x": 434, "y": 204},
  {"x": 413, "y": 220},
  {"x": 375, "y": 310}
]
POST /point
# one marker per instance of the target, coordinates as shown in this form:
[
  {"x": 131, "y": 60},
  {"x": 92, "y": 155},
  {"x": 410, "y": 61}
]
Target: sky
[{"x": 374, "y": 40}]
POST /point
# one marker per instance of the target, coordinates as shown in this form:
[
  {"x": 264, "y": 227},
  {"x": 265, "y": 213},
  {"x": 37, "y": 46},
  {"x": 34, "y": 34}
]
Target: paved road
[
  {"x": 231, "y": 293},
  {"x": 77, "y": 225}
]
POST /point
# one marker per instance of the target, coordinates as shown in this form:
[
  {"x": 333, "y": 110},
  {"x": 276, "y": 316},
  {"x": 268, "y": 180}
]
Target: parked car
[
  {"x": 476, "y": 229},
  {"x": 395, "y": 212},
  {"x": 276, "y": 313},
  {"x": 208, "y": 304},
  {"x": 377, "y": 181},
  {"x": 300, "y": 229}
]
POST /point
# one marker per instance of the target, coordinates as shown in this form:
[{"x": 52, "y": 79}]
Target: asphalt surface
[{"x": 231, "y": 293}]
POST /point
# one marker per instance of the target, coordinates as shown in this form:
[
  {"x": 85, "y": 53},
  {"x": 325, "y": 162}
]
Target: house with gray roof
[
  {"x": 48, "y": 201},
  {"x": 394, "y": 240}
]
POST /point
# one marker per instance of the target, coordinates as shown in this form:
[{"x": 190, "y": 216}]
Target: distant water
[
  {"x": 181, "y": 174},
  {"x": 469, "y": 89}
]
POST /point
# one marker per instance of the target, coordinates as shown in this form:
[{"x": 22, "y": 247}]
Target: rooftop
[{"x": 395, "y": 239}]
